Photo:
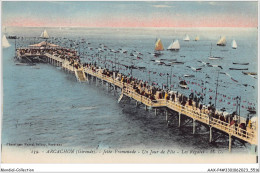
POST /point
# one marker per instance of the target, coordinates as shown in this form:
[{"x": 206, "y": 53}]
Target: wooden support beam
[
  {"x": 230, "y": 143},
  {"x": 210, "y": 134},
  {"x": 179, "y": 119},
  {"x": 108, "y": 87},
  {"x": 194, "y": 126},
  {"x": 155, "y": 111},
  {"x": 166, "y": 115}
]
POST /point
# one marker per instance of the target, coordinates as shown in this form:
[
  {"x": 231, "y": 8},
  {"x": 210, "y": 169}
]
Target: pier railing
[
  {"x": 194, "y": 113},
  {"x": 249, "y": 135}
]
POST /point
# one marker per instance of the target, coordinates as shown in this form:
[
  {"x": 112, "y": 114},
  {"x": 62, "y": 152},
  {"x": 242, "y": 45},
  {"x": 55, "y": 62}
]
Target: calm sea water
[{"x": 44, "y": 104}]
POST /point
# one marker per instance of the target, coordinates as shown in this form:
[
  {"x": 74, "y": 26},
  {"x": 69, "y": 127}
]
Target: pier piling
[
  {"x": 230, "y": 143},
  {"x": 210, "y": 134},
  {"x": 194, "y": 126},
  {"x": 166, "y": 115},
  {"x": 179, "y": 119}
]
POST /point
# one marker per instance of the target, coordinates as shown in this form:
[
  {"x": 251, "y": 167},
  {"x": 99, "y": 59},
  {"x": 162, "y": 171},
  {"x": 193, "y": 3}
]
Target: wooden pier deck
[{"x": 250, "y": 135}]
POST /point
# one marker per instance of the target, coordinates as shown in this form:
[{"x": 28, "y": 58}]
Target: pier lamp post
[
  {"x": 238, "y": 99},
  {"x": 97, "y": 58},
  {"x": 216, "y": 92},
  {"x": 115, "y": 61},
  {"x": 167, "y": 80},
  {"x": 105, "y": 61},
  {"x": 149, "y": 77},
  {"x": 171, "y": 79}
]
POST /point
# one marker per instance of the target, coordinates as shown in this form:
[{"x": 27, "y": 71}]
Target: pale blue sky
[{"x": 131, "y": 13}]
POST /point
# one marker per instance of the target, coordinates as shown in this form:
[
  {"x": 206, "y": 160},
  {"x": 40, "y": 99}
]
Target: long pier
[{"x": 197, "y": 115}]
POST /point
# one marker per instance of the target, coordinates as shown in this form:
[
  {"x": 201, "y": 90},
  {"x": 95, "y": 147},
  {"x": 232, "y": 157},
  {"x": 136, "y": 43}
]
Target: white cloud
[{"x": 161, "y": 6}]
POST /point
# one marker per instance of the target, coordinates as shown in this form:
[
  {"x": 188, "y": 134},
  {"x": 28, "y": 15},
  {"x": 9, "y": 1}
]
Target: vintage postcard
[{"x": 129, "y": 82}]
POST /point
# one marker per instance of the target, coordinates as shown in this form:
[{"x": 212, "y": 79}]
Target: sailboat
[
  {"x": 197, "y": 38},
  {"x": 213, "y": 57},
  {"x": 186, "y": 38},
  {"x": 44, "y": 34},
  {"x": 222, "y": 41},
  {"x": 5, "y": 42},
  {"x": 158, "y": 45},
  {"x": 175, "y": 45},
  {"x": 234, "y": 44},
  {"x": 183, "y": 84}
]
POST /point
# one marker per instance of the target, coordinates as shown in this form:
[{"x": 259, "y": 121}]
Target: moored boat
[
  {"x": 213, "y": 57},
  {"x": 5, "y": 42},
  {"x": 251, "y": 110},
  {"x": 197, "y": 38},
  {"x": 158, "y": 45},
  {"x": 12, "y": 37},
  {"x": 188, "y": 75},
  {"x": 183, "y": 84},
  {"x": 249, "y": 73},
  {"x": 238, "y": 68},
  {"x": 186, "y": 38},
  {"x": 234, "y": 44},
  {"x": 44, "y": 34},
  {"x": 237, "y": 63},
  {"x": 222, "y": 41},
  {"x": 174, "y": 46}
]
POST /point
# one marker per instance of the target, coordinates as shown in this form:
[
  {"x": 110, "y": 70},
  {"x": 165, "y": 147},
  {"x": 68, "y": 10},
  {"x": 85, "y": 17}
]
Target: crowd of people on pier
[
  {"x": 63, "y": 53},
  {"x": 30, "y": 51},
  {"x": 149, "y": 91},
  {"x": 67, "y": 54},
  {"x": 155, "y": 93}
]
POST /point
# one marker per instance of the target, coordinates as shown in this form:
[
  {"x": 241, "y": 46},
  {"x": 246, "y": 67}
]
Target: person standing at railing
[
  {"x": 173, "y": 97},
  {"x": 235, "y": 118},
  {"x": 247, "y": 120},
  {"x": 165, "y": 96}
]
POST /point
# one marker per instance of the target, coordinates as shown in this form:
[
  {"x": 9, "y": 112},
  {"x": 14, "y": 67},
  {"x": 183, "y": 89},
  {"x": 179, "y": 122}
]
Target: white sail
[
  {"x": 175, "y": 45},
  {"x": 197, "y": 38},
  {"x": 234, "y": 44},
  {"x": 44, "y": 34},
  {"x": 158, "y": 45},
  {"x": 222, "y": 41},
  {"x": 5, "y": 42},
  {"x": 170, "y": 46},
  {"x": 187, "y": 38}
]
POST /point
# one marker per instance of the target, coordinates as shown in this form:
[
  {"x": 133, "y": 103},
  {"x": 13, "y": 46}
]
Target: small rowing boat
[
  {"x": 249, "y": 73},
  {"x": 238, "y": 68},
  {"x": 183, "y": 84},
  {"x": 177, "y": 62},
  {"x": 215, "y": 57},
  {"x": 188, "y": 75},
  {"x": 237, "y": 63}
]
